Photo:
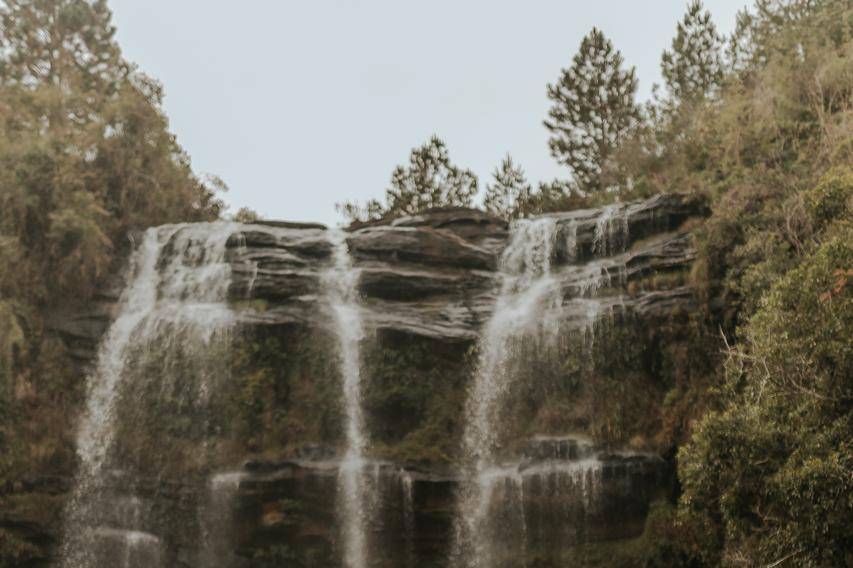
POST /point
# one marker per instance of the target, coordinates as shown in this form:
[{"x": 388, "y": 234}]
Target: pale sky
[{"x": 301, "y": 104}]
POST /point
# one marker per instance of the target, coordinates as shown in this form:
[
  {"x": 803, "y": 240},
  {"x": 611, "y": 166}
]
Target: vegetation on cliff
[
  {"x": 762, "y": 126},
  {"x": 86, "y": 156},
  {"x": 751, "y": 397}
]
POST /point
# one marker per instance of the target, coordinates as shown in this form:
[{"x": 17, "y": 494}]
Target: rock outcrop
[
  {"x": 430, "y": 278},
  {"x": 436, "y": 275},
  {"x": 433, "y": 274},
  {"x": 564, "y": 492}
]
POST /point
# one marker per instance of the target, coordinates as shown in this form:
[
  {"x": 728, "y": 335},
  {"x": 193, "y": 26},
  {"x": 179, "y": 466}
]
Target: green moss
[
  {"x": 415, "y": 396},
  {"x": 286, "y": 390}
]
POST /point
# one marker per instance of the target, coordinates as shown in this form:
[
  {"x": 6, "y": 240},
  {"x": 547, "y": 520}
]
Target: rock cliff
[{"x": 428, "y": 284}]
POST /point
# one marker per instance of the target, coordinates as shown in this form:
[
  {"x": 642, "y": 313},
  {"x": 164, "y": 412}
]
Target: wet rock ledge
[
  {"x": 436, "y": 274},
  {"x": 432, "y": 275}
]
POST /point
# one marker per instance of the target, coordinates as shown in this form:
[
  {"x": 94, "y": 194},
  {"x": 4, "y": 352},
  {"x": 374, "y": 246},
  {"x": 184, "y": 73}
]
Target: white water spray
[
  {"x": 531, "y": 302},
  {"x": 528, "y": 295},
  {"x": 176, "y": 292},
  {"x": 340, "y": 284},
  {"x": 408, "y": 487},
  {"x": 611, "y": 231},
  {"x": 216, "y": 521}
]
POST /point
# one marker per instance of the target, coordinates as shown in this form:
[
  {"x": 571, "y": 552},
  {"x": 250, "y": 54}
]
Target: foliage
[
  {"x": 772, "y": 467},
  {"x": 593, "y": 110},
  {"x": 768, "y": 470},
  {"x": 766, "y": 473},
  {"x": 766, "y": 133},
  {"x": 85, "y": 157},
  {"x": 768, "y": 29},
  {"x": 694, "y": 67},
  {"x": 430, "y": 180},
  {"x": 509, "y": 194},
  {"x": 246, "y": 215}
]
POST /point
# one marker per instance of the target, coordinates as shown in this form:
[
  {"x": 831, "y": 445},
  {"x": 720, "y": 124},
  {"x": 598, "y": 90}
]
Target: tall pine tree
[
  {"x": 593, "y": 110},
  {"x": 694, "y": 67},
  {"x": 430, "y": 180},
  {"x": 510, "y": 191},
  {"x": 60, "y": 42}
]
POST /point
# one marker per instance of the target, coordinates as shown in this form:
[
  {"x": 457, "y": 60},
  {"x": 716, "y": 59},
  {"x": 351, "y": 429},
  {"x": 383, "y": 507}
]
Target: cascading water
[
  {"x": 530, "y": 503},
  {"x": 159, "y": 347},
  {"x": 534, "y": 300},
  {"x": 611, "y": 231},
  {"x": 408, "y": 488},
  {"x": 340, "y": 284},
  {"x": 527, "y": 291},
  {"x": 217, "y": 544},
  {"x": 559, "y": 276}
]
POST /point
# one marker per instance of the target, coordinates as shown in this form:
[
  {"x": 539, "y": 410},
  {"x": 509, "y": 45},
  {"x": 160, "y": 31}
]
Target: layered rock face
[
  {"x": 431, "y": 275},
  {"x": 562, "y": 493},
  {"x": 428, "y": 285},
  {"x": 435, "y": 275}
]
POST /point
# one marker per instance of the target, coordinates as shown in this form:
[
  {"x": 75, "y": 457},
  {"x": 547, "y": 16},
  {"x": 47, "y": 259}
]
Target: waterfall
[
  {"x": 408, "y": 514},
  {"x": 611, "y": 231},
  {"x": 534, "y": 300},
  {"x": 217, "y": 544},
  {"x": 527, "y": 292},
  {"x": 340, "y": 285},
  {"x": 160, "y": 346}
]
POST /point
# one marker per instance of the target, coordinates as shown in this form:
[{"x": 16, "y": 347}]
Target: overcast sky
[{"x": 300, "y": 104}]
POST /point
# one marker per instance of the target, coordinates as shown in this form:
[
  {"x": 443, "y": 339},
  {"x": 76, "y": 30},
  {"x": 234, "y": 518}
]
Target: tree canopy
[
  {"x": 429, "y": 180},
  {"x": 85, "y": 156},
  {"x": 508, "y": 192},
  {"x": 694, "y": 66},
  {"x": 592, "y": 111}
]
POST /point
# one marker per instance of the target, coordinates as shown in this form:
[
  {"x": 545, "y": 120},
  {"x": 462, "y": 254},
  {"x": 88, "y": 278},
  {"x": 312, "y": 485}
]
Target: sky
[{"x": 298, "y": 105}]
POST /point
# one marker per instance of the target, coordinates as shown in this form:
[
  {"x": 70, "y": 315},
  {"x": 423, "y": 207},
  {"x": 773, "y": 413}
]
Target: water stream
[
  {"x": 217, "y": 550},
  {"x": 537, "y": 300},
  {"x": 529, "y": 295},
  {"x": 158, "y": 348},
  {"x": 354, "y": 484}
]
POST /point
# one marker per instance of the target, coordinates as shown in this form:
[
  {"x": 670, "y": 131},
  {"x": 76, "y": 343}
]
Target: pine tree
[
  {"x": 509, "y": 193},
  {"x": 430, "y": 180},
  {"x": 772, "y": 27},
  {"x": 371, "y": 211},
  {"x": 64, "y": 49},
  {"x": 694, "y": 67},
  {"x": 593, "y": 110},
  {"x": 52, "y": 41}
]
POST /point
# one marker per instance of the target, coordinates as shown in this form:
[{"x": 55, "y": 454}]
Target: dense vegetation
[
  {"x": 85, "y": 157},
  {"x": 760, "y": 124}
]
